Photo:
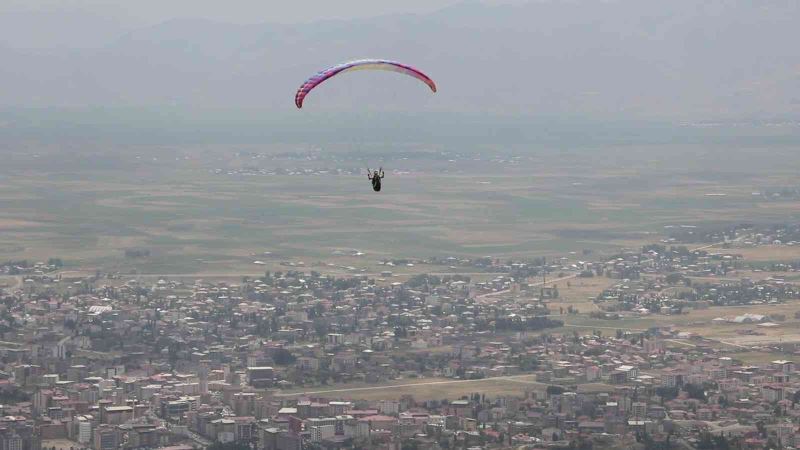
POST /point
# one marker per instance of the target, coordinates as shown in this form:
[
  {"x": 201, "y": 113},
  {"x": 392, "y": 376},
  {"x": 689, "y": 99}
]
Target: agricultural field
[{"x": 217, "y": 210}]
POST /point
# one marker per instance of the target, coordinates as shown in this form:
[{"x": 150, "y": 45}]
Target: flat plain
[{"x": 218, "y": 209}]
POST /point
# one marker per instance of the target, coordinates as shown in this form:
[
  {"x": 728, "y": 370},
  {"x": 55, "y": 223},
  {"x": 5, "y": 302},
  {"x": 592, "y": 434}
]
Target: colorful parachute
[{"x": 364, "y": 64}]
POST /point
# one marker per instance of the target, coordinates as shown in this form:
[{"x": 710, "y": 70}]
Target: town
[{"x": 665, "y": 346}]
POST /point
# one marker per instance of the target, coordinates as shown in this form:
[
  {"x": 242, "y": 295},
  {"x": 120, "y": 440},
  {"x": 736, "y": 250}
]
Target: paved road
[
  {"x": 199, "y": 439},
  {"x": 539, "y": 283},
  {"x": 719, "y": 243},
  {"x": 513, "y": 378},
  {"x": 675, "y": 341},
  {"x": 569, "y": 325}
]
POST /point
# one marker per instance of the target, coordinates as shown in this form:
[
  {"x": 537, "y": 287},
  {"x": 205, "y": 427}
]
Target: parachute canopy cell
[{"x": 363, "y": 64}]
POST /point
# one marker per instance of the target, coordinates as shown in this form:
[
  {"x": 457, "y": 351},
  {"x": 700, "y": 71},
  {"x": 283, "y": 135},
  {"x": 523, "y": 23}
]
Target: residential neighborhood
[{"x": 302, "y": 360}]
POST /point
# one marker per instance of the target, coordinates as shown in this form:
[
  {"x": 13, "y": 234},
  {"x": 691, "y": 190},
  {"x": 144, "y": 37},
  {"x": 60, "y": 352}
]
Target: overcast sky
[{"x": 240, "y": 11}]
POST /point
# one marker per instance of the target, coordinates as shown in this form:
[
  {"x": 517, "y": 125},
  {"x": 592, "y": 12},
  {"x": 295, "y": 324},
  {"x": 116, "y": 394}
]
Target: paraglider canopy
[{"x": 363, "y": 64}]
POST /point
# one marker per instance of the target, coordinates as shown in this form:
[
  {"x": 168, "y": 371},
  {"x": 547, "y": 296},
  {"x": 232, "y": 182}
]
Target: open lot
[
  {"x": 429, "y": 388},
  {"x": 439, "y": 388},
  {"x": 699, "y": 321},
  {"x": 578, "y": 293},
  {"x": 771, "y": 253}
]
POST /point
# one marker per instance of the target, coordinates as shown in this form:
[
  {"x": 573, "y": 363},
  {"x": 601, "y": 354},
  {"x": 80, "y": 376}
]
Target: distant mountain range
[{"x": 676, "y": 59}]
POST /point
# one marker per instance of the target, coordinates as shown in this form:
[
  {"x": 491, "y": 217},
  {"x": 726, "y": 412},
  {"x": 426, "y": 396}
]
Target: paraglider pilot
[{"x": 375, "y": 177}]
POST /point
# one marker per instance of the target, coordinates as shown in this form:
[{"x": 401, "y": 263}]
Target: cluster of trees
[
  {"x": 651, "y": 444},
  {"x": 694, "y": 391},
  {"x": 55, "y": 262},
  {"x": 570, "y": 310},
  {"x": 712, "y": 442},
  {"x": 13, "y": 267},
  {"x": 137, "y": 253},
  {"x": 12, "y": 396},
  {"x": 424, "y": 279},
  {"x": 519, "y": 324},
  {"x": 744, "y": 293},
  {"x": 603, "y": 316},
  {"x": 697, "y": 392},
  {"x": 283, "y": 357},
  {"x": 554, "y": 390}
]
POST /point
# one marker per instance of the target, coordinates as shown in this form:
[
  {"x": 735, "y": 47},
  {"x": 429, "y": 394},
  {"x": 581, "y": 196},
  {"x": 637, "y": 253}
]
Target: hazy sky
[
  {"x": 243, "y": 11},
  {"x": 631, "y": 58}
]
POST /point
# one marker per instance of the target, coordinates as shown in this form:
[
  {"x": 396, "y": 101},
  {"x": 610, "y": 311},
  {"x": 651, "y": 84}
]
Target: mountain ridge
[{"x": 676, "y": 60}]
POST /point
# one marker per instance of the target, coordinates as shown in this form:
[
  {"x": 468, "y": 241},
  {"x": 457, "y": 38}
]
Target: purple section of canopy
[{"x": 376, "y": 64}]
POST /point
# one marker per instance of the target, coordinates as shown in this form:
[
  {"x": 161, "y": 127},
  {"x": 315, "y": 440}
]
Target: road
[
  {"x": 512, "y": 378},
  {"x": 735, "y": 345},
  {"x": 720, "y": 243},
  {"x": 540, "y": 283},
  {"x": 675, "y": 341},
  {"x": 569, "y": 325},
  {"x": 199, "y": 439}
]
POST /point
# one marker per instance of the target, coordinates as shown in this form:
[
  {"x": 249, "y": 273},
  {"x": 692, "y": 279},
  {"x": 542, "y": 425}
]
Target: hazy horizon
[
  {"x": 150, "y": 12},
  {"x": 621, "y": 60}
]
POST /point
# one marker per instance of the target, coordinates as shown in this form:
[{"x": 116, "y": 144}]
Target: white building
[{"x": 84, "y": 431}]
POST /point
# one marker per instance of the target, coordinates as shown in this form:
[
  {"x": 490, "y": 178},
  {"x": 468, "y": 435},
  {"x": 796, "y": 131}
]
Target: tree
[
  {"x": 673, "y": 278},
  {"x": 667, "y": 393},
  {"x": 55, "y": 262},
  {"x": 320, "y": 328},
  {"x": 554, "y": 390},
  {"x": 762, "y": 429},
  {"x": 410, "y": 445},
  {"x": 696, "y": 392},
  {"x": 283, "y": 357}
]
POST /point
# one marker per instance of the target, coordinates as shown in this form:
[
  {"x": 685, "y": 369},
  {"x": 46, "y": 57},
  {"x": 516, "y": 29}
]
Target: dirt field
[
  {"x": 768, "y": 253},
  {"x": 700, "y": 322},
  {"x": 758, "y": 357},
  {"x": 430, "y": 388},
  {"x": 579, "y": 293}
]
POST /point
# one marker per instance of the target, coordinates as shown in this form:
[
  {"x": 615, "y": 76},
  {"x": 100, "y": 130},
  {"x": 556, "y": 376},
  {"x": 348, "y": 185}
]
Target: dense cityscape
[{"x": 297, "y": 359}]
